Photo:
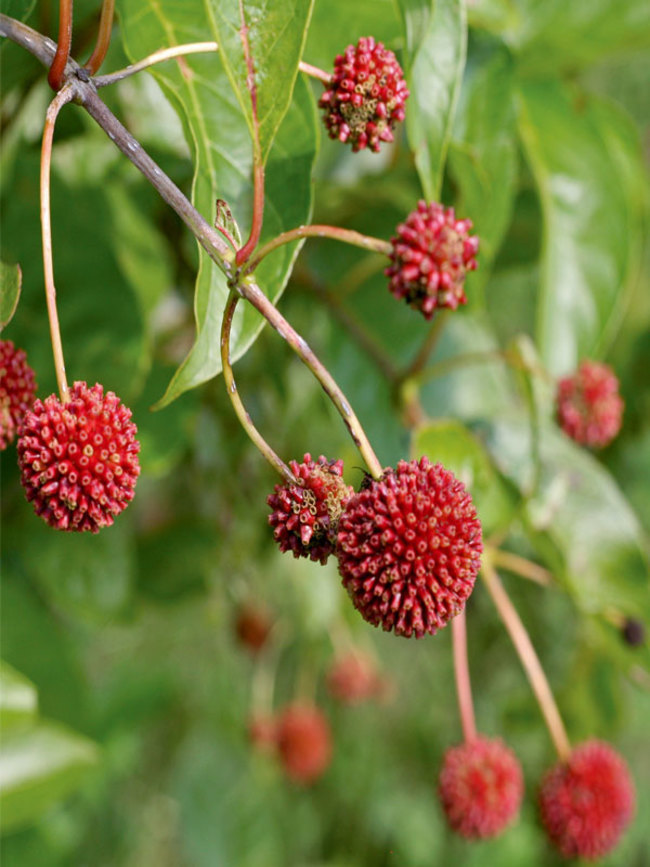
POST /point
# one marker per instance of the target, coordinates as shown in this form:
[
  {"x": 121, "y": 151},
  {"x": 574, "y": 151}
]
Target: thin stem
[
  {"x": 103, "y": 37},
  {"x": 428, "y": 345},
  {"x": 57, "y": 70},
  {"x": 258, "y": 299},
  {"x": 63, "y": 96},
  {"x": 461, "y": 671},
  {"x": 231, "y": 387},
  {"x": 315, "y": 72},
  {"x": 243, "y": 254},
  {"x": 529, "y": 660},
  {"x": 347, "y": 236},
  {"x": 521, "y": 566},
  {"x": 156, "y": 57},
  {"x": 258, "y": 213}
]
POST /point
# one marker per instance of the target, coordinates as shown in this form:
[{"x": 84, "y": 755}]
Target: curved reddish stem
[
  {"x": 461, "y": 671},
  {"x": 62, "y": 97},
  {"x": 57, "y": 70},
  {"x": 103, "y": 37}
]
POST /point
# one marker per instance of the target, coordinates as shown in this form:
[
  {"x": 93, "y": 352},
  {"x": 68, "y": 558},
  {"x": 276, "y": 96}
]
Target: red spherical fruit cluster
[
  {"x": 587, "y": 801},
  {"x": 79, "y": 459},
  {"x": 17, "y": 390},
  {"x": 305, "y": 516},
  {"x": 304, "y": 742},
  {"x": 432, "y": 253},
  {"x": 252, "y": 626},
  {"x": 589, "y": 407},
  {"x": 365, "y": 96},
  {"x": 481, "y": 786},
  {"x": 409, "y": 548},
  {"x": 353, "y": 679}
]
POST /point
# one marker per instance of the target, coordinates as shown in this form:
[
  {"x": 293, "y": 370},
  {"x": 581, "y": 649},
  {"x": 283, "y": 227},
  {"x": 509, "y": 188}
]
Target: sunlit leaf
[
  {"x": 588, "y": 225},
  {"x": 434, "y": 68},
  {"x": 18, "y": 699}
]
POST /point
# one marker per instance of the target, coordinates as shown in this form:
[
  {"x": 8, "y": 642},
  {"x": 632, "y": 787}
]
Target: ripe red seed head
[
  {"x": 480, "y": 786},
  {"x": 589, "y": 407},
  {"x": 17, "y": 390},
  {"x": 432, "y": 253},
  {"x": 352, "y": 679},
  {"x": 587, "y": 802},
  {"x": 79, "y": 460},
  {"x": 365, "y": 97},
  {"x": 305, "y": 516},
  {"x": 304, "y": 743},
  {"x": 409, "y": 548}
]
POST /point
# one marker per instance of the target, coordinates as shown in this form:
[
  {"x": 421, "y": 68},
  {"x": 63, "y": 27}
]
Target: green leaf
[
  {"x": 589, "y": 226},
  {"x": 38, "y": 768},
  {"x": 18, "y": 699},
  {"x": 454, "y": 446},
  {"x": 219, "y": 136},
  {"x": 11, "y": 281},
  {"x": 578, "y": 517},
  {"x": 434, "y": 68},
  {"x": 276, "y": 35},
  {"x": 552, "y": 35},
  {"x": 483, "y": 153}
]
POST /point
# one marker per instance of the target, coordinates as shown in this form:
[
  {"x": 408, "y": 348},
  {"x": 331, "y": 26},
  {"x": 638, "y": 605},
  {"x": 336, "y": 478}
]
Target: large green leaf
[
  {"x": 11, "y": 280},
  {"x": 38, "y": 767},
  {"x": 589, "y": 228},
  {"x": 436, "y": 43},
  {"x": 456, "y": 447},
  {"x": 220, "y": 139},
  {"x": 483, "y": 150},
  {"x": 276, "y": 32},
  {"x": 578, "y": 516}
]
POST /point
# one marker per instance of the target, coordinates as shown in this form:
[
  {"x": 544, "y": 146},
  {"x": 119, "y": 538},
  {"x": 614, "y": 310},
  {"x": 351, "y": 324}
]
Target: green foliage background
[{"x": 125, "y": 696}]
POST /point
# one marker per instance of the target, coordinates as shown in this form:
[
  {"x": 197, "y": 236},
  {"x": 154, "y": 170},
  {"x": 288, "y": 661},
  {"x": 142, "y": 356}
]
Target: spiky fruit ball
[
  {"x": 409, "y": 548},
  {"x": 352, "y": 679},
  {"x": 79, "y": 459},
  {"x": 305, "y": 515},
  {"x": 432, "y": 253},
  {"x": 304, "y": 742},
  {"x": 587, "y": 801},
  {"x": 480, "y": 786},
  {"x": 365, "y": 96},
  {"x": 589, "y": 407},
  {"x": 17, "y": 390},
  {"x": 252, "y": 626}
]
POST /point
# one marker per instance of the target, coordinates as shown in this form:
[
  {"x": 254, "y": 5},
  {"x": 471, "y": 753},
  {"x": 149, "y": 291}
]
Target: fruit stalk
[
  {"x": 461, "y": 671},
  {"x": 103, "y": 37},
  {"x": 529, "y": 660},
  {"x": 56, "y": 75},
  {"x": 231, "y": 387},
  {"x": 63, "y": 96}
]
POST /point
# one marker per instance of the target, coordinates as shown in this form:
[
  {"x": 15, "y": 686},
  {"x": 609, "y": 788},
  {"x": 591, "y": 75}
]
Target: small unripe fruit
[
  {"x": 432, "y": 253},
  {"x": 304, "y": 743},
  {"x": 481, "y": 786},
  {"x": 79, "y": 459},
  {"x": 352, "y": 679},
  {"x": 409, "y": 548},
  {"x": 365, "y": 96},
  {"x": 587, "y": 801},
  {"x": 252, "y": 626},
  {"x": 17, "y": 390},
  {"x": 589, "y": 407},
  {"x": 305, "y": 515}
]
